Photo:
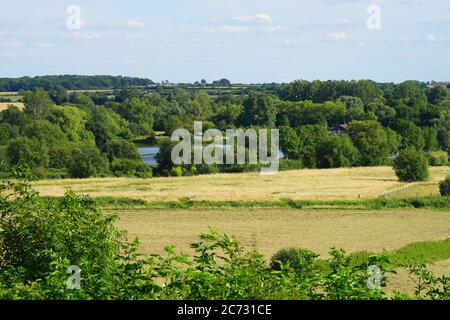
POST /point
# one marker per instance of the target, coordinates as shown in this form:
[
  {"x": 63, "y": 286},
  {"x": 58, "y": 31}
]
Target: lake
[{"x": 148, "y": 154}]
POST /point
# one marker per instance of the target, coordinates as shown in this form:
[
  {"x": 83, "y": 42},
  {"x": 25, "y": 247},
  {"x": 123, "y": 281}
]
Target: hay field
[
  {"x": 4, "y": 105},
  {"x": 268, "y": 230},
  {"x": 329, "y": 184}
]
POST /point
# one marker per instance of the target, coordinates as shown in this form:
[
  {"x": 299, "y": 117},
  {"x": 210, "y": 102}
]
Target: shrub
[
  {"x": 411, "y": 165},
  {"x": 128, "y": 167},
  {"x": 88, "y": 162},
  {"x": 438, "y": 158},
  {"x": 121, "y": 149},
  {"x": 444, "y": 187},
  {"x": 286, "y": 164},
  {"x": 207, "y": 169},
  {"x": 301, "y": 260},
  {"x": 176, "y": 171}
]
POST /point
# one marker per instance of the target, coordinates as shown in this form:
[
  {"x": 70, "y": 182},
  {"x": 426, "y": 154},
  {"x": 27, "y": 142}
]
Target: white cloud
[
  {"x": 134, "y": 24},
  {"x": 337, "y": 36},
  {"x": 432, "y": 38},
  {"x": 272, "y": 29},
  {"x": 87, "y": 35},
  {"x": 45, "y": 45},
  {"x": 258, "y": 18},
  {"x": 234, "y": 29},
  {"x": 12, "y": 44}
]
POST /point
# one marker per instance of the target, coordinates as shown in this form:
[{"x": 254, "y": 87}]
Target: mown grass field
[
  {"x": 4, "y": 105},
  {"x": 268, "y": 230},
  {"x": 250, "y": 207},
  {"x": 331, "y": 184}
]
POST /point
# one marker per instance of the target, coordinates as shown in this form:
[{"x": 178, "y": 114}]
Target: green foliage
[
  {"x": 176, "y": 171},
  {"x": 336, "y": 151},
  {"x": 37, "y": 103},
  {"x": 32, "y": 152},
  {"x": 411, "y": 165},
  {"x": 129, "y": 167},
  {"x": 259, "y": 110},
  {"x": 88, "y": 162},
  {"x": 438, "y": 158},
  {"x": 40, "y": 239},
  {"x": 370, "y": 138},
  {"x": 300, "y": 260},
  {"x": 444, "y": 187}
]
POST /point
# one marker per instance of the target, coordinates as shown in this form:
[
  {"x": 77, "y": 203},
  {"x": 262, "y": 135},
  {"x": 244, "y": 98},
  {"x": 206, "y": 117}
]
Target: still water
[{"x": 148, "y": 154}]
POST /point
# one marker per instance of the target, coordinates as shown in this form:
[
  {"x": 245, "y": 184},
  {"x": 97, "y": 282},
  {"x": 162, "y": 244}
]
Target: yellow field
[
  {"x": 342, "y": 183},
  {"x": 8, "y": 93},
  {"x": 268, "y": 230},
  {"x": 4, "y": 105}
]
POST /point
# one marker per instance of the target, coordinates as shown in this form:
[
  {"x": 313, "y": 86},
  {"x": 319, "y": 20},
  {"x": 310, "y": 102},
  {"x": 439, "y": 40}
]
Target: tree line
[
  {"x": 70, "y": 82},
  {"x": 322, "y": 125}
]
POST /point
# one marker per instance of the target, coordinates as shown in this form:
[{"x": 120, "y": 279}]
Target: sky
[{"x": 245, "y": 41}]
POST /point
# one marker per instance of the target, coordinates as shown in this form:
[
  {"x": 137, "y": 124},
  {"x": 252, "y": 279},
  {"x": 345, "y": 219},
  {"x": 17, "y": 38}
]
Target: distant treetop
[{"x": 70, "y": 82}]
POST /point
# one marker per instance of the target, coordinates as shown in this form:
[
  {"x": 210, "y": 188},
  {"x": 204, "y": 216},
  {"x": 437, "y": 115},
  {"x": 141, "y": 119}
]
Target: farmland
[
  {"x": 314, "y": 184},
  {"x": 268, "y": 230}
]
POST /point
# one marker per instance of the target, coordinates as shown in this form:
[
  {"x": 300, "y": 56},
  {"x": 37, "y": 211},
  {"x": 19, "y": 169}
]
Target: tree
[
  {"x": 289, "y": 142},
  {"x": 139, "y": 115},
  {"x": 309, "y": 136},
  {"x": 336, "y": 152},
  {"x": 370, "y": 138},
  {"x": 37, "y": 103},
  {"x": 121, "y": 149},
  {"x": 88, "y": 162},
  {"x": 411, "y": 134},
  {"x": 259, "y": 110},
  {"x": 411, "y": 165},
  {"x": 28, "y": 151},
  {"x": 437, "y": 94}
]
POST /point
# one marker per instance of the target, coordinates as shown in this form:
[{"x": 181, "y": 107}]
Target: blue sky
[{"x": 242, "y": 40}]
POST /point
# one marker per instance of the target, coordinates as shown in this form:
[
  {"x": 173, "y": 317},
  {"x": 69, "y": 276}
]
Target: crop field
[
  {"x": 271, "y": 229},
  {"x": 330, "y": 184},
  {"x": 268, "y": 230},
  {"x": 4, "y": 105}
]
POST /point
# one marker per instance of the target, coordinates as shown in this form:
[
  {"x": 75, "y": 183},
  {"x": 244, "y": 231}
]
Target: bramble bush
[{"x": 40, "y": 239}]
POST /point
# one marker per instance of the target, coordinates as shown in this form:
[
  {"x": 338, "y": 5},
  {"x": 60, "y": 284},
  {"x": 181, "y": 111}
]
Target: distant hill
[{"x": 71, "y": 82}]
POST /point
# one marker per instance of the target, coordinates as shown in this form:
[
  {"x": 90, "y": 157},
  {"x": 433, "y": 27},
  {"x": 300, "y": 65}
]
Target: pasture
[{"x": 314, "y": 184}]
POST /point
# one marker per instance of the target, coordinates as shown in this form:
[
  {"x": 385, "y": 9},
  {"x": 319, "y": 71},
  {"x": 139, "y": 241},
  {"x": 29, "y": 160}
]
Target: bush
[
  {"x": 176, "y": 171},
  {"x": 438, "y": 158},
  {"x": 286, "y": 165},
  {"x": 88, "y": 162},
  {"x": 411, "y": 165},
  {"x": 128, "y": 167},
  {"x": 300, "y": 260},
  {"x": 444, "y": 187}
]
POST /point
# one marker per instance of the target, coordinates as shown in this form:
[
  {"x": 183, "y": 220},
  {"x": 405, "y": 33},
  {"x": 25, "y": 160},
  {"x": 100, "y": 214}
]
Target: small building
[{"x": 338, "y": 130}]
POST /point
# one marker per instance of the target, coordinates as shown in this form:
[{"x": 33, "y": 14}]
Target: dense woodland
[{"x": 322, "y": 124}]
